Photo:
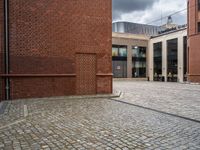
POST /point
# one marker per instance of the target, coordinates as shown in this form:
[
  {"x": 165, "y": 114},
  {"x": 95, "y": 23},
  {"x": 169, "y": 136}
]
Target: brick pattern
[
  {"x": 195, "y": 79},
  {"x": 45, "y": 35},
  {"x": 194, "y": 38},
  {"x": 34, "y": 87},
  {"x": 104, "y": 84},
  {"x": 191, "y": 17},
  {"x": 86, "y": 74}
]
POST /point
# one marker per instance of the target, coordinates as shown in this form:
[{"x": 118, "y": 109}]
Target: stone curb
[
  {"x": 190, "y": 83},
  {"x": 115, "y": 94}
]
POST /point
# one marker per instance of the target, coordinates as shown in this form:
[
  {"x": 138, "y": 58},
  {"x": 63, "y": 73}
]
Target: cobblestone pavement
[
  {"x": 175, "y": 98},
  {"x": 96, "y": 124}
]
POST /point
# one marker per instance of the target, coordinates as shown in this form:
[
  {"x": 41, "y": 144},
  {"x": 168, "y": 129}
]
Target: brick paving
[
  {"x": 175, "y": 98},
  {"x": 95, "y": 124}
]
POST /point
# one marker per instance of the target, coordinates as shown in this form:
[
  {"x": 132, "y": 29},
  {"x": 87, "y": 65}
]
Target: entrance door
[
  {"x": 119, "y": 69},
  {"x": 86, "y": 74}
]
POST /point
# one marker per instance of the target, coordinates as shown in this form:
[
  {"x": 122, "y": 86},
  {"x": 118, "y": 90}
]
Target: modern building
[
  {"x": 158, "y": 58},
  {"x": 55, "y": 48},
  {"x": 129, "y": 55},
  {"x": 168, "y": 56},
  {"x": 194, "y": 40},
  {"x": 136, "y": 28}
]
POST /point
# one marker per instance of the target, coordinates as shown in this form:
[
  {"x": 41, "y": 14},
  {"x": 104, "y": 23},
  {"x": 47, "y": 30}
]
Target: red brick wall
[
  {"x": 192, "y": 17},
  {"x": 45, "y": 35},
  {"x": 194, "y": 38},
  {"x": 104, "y": 85},
  {"x": 42, "y": 87}
]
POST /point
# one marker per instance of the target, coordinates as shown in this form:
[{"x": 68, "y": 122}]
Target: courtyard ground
[{"x": 148, "y": 115}]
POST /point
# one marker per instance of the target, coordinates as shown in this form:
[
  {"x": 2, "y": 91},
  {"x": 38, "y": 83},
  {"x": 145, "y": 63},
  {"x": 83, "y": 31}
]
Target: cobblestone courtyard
[
  {"x": 174, "y": 98},
  {"x": 72, "y": 123}
]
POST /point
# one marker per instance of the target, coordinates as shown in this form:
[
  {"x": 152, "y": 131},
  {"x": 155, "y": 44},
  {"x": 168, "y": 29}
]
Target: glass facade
[
  {"x": 139, "y": 62},
  {"x": 185, "y": 57},
  {"x": 172, "y": 62},
  {"x": 119, "y": 51},
  {"x": 157, "y": 59},
  {"x": 198, "y": 26},
  {"x": 115, "y": 51},
  {"x": 119, "y": 61},
  {"x": 123, "y": 52}
]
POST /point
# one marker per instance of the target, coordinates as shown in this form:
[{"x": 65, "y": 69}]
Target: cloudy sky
[{"x": 146, "y": 11}]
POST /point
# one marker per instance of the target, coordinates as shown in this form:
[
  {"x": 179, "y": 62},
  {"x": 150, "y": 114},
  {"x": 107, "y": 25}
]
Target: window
[
  {"x": 119, "y": 51},
  {"x": 157, "y": 61},
  {"x": 139, "y": 62},
  {"x": 172, "y": 59},
  {"x": 199, "y": 5},
  {"x": 119, "y": 61},
  {"x": 139, "y": 52},
  {"x": 198, "y": 26},
  {"x": 115, "y": 51},
  {"x": 122, "y": 52},
  {"x": 185, "y": 57}
]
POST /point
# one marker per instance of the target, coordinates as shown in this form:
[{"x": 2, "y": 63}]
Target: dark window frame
[
  {"x": 140, "y": 48},
  {"x": 198, "y": 27},
  {"x": 118, "y": 47},
  {"x": 172, "y": 60},
  {"x": 198, "y": 2},
  {"x": 157, "y": 61},
  {"x": 185, "y": 58},
  {"x": 141, "y": 71}
]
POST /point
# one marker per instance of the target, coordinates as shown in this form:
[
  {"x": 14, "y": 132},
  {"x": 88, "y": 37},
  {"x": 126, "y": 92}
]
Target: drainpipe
[{"x": 6, "y": 48}]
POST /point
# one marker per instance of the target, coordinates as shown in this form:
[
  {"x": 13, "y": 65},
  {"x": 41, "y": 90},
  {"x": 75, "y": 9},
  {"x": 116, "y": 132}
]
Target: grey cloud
[
  {"x": 128, "y": 6},
  {"x": 180, "y": 19}
]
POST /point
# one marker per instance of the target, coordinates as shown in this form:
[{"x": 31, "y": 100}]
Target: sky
[{"x": 146, "y": 11}]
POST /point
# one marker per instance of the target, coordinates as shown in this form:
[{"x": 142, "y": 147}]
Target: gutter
[{"x": 6, "y": 49}]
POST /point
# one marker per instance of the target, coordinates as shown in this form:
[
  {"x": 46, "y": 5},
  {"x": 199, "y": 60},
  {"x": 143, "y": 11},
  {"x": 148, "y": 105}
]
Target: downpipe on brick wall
[{"x": 6, "y": 49}]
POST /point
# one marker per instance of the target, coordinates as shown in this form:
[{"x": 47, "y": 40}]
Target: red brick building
[
  {"x": 194, "y": 40},
  {"x": 55, "y": 48}
]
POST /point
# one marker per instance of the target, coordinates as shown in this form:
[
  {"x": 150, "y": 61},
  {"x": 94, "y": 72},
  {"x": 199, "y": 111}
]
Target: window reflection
[
  {"x": 139, "y": 62},
  {"x": 185, "y": 57},
  {"x": 199, "y": 5},
  {"x": 198, "y": 26},
  {"x": 139, "y": 52},
  {"x": 114, "y": 51},
  {"x": 123, "y": 52},
  {"x": 172, "y": 62},
  {"x": 119, "y": 61},
  {"x": 158, "y": 61},
  {"x": 119, "y": 51}
]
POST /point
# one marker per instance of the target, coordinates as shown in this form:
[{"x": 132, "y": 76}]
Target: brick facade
[
  {"x": 193, "y": 41},
  {"x": 46, "y": 35}
]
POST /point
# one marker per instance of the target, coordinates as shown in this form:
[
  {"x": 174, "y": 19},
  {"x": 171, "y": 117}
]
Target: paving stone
[
  {"x": 175, "y": 98},
  {"x": 104, "y": 123}
]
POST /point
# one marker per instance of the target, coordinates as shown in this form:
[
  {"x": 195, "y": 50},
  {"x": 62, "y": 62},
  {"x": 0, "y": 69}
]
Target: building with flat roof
[
  {"x": 129, "y": 55},
  {"x": 136, "y": 28},
  {"x": 168, "y": 56},
  {"x": 157, "y": 58},
  {"x": 55, "y": 48},
  {"x": 194, "y": 40}
]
